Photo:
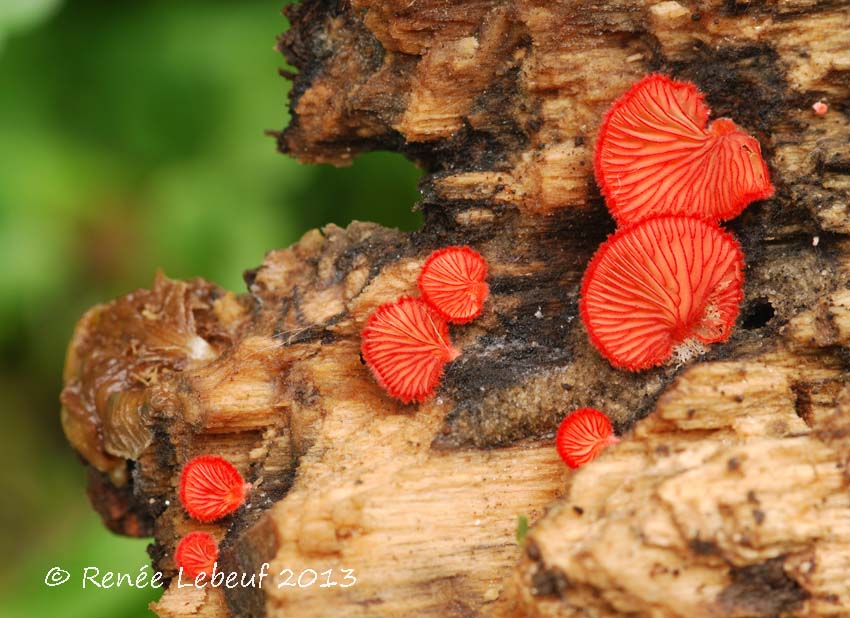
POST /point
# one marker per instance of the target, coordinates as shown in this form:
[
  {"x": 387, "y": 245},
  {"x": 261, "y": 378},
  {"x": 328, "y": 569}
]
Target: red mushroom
[
  {"x": 665, "y": 286},
  {"x": 582, "y": 435},
  {"x": 406, "y": 344},
  {"x": 196, "y": 553},
  {"x": 655, "y": 156},
  {"x": 452, "y": 282},
  {"x": 210, "y": 488}
]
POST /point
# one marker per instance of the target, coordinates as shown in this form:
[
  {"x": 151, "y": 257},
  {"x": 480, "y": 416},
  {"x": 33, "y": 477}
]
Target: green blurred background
[{"x": 131, "y": 138}]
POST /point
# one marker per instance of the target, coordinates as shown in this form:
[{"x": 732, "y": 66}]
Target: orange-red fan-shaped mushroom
[
  {"x": 668, "y": 284},
  {"x": 655, "y": 156},
  {"x": 452, "y": 282},
  {"x": 582, "y": 435},
  {"x": 196, "y": 553},
  {"x": 210, "y": 488},
  {"x": 406, "y": 344}
]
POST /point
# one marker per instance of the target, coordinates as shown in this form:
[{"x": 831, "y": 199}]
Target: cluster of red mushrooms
[
  {"x": 406, "y": 343},
  {"x": 666, "y": 284},
  {"x": 669, "y": 281},
  {"x": 210, "y": 488}
]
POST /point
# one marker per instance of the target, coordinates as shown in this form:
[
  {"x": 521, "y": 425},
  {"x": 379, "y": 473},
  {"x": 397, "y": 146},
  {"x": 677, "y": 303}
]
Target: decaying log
[{"x": 730, "y": 498}]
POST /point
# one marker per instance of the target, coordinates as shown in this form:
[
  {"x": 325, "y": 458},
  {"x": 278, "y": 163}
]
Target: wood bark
[{"x": 729, "y": 494}]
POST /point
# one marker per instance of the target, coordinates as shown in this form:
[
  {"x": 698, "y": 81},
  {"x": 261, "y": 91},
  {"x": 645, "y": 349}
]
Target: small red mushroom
[
  {"x": 663, "y": 287},
  {"x": 452, "y": 282},
  {"x": 196, "y": 553},
  {"x": 210, "y": 488},
  {"x": 820, "y": 108},
  {"x": 406, "y": 344},
  {"x": 654, "y": 156},
  {"x": 582, "y": 435}
]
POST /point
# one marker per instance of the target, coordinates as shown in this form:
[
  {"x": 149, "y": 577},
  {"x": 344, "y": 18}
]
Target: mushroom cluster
[
  {"x": 406, "y": 343},
  {"x": 669, "y": 281},
  {"x": 210, "y": 488}
]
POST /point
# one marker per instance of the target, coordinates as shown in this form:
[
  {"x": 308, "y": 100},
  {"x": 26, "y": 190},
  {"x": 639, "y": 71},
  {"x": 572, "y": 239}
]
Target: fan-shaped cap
[
  {"x": 663, "y": 283},
  {"x": 406, "y": 344},
  {"x": 655, "y": 156},
  {"x": 210, "y": 488},
  {"x": 196, "y": 553},
  {"x": 452, "y": 282},
  {"x": 582, "y": 435}
]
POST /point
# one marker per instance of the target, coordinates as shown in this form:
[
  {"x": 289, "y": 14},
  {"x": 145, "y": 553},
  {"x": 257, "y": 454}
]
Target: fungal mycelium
[
  {"x": 582, "y": 435},
  {"x": 211, "y": 487},
  {"x": 664, "y": 287},
  {"x": 655, "y": 155},
  {"x": 196, "y": 553},
  {"x": 452, "y": 282},
  {"x": 406, "y": 345}
]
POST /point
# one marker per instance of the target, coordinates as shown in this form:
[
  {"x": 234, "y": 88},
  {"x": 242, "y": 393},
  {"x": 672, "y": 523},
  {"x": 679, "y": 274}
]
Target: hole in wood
[{"x": 757, "y": 314}]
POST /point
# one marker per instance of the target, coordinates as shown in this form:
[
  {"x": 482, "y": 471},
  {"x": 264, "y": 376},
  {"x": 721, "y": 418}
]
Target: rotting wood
[{"x": 500, "y": 102}]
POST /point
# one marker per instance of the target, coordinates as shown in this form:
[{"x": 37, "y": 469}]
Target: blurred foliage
[
  {"x": 131, "y": 138},
  {"x": 18, "y": 15}
]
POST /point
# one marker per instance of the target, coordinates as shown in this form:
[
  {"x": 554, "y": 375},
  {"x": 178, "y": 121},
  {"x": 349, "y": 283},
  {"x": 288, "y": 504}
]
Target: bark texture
[{"x": 730, "y": 498}]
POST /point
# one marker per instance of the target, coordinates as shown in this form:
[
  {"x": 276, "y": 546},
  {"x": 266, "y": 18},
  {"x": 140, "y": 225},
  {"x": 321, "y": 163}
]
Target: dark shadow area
[{"x": 757, "y": 314}]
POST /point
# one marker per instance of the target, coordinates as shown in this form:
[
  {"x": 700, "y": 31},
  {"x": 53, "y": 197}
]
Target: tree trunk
[{"x": 732, "y": 496}]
